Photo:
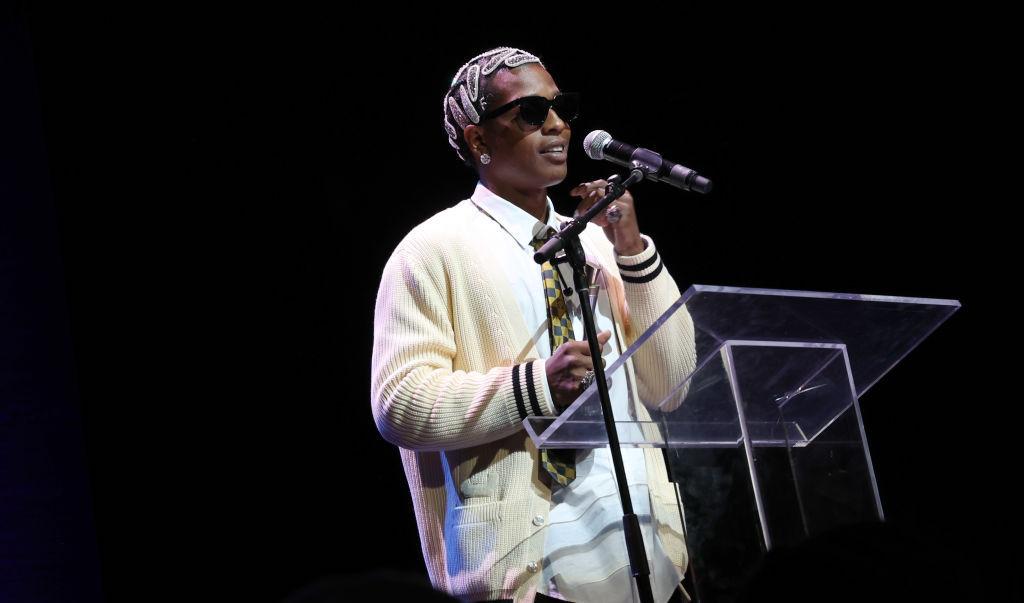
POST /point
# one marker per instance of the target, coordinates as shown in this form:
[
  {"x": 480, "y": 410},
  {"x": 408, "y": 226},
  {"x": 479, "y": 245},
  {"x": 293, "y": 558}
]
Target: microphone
[{"x": 600, "y": 145}]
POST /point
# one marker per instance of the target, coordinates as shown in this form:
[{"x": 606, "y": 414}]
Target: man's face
[{"x": 521, "y": 153}]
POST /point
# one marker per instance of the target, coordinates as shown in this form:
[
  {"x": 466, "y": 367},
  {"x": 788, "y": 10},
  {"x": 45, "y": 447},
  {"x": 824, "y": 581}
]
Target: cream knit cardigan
[{"x": 454, "y": 373}]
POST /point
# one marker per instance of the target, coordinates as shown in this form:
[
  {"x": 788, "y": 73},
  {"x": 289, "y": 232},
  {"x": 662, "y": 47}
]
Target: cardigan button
[
  {"x": 532, "y": 566},
  {"x": 538, "y": 520}
]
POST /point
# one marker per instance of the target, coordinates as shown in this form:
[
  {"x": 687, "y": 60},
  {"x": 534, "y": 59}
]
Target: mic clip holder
[{"x": 647, "y": 161}]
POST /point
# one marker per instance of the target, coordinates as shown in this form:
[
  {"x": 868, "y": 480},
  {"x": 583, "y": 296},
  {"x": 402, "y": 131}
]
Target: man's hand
[
  {"x": 567, "y": 366},
  {"x": 625, "y": 233}
]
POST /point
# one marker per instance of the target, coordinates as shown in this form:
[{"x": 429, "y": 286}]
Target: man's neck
[{"x": 533, "y": 202}]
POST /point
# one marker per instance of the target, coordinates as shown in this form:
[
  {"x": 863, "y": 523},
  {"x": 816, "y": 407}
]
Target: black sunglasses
[{"x": 534, "y": 109}]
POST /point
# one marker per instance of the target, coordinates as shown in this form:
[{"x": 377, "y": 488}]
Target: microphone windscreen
[{"x": 595, "y": 143}]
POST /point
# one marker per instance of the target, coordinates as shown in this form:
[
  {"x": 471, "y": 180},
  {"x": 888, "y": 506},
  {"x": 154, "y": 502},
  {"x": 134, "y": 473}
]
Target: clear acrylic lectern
[{"x": 763, "y": 438}]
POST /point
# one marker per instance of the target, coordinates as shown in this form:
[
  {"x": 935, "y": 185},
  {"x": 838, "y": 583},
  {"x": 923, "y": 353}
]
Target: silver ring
[
  {"x": 586, "y": 380},
  {"x": 614, "y": 213}
]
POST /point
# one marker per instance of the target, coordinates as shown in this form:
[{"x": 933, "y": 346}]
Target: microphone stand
[{"x": 568, "y": 239}]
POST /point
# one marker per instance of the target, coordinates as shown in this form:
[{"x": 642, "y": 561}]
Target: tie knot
[{"x": 542, "y": 237}]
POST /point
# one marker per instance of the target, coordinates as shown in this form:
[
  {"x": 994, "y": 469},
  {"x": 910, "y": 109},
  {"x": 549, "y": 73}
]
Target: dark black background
[{"x": 228, "y": 187}]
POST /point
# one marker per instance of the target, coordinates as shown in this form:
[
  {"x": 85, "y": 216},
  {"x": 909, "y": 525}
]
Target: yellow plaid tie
[{"x": 560, "y": 464}]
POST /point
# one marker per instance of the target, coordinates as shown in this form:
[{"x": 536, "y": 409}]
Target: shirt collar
[{"x": 522, "y": 226}]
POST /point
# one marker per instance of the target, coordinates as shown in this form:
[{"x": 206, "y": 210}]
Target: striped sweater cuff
[
  {"x": 529, "y": 390},
  {"x": 642, "y": 267}
]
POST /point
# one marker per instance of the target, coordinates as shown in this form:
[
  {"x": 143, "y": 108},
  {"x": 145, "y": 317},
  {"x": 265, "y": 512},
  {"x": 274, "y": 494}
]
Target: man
[{"x": 471, "y": 337}]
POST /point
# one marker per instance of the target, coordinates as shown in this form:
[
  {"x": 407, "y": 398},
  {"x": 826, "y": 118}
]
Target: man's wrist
[{"x": 632, "y": 247}]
